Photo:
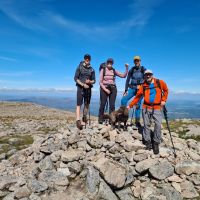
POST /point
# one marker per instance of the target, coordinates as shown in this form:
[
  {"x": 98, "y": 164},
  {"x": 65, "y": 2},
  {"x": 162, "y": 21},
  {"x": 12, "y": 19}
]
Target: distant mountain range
[{"x": 180, "y": 104}]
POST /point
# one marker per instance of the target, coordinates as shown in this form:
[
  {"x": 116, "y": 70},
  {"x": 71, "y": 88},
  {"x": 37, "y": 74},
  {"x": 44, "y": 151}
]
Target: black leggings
[{"x": 103, "y": 100}]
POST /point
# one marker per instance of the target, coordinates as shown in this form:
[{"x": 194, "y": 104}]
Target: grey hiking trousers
[{"x": 150, "y": 116}]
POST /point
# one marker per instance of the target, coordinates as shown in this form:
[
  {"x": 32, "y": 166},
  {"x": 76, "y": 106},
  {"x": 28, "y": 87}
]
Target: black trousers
[
  {"x": 104, "y": 97},
  {"x": 84, "y": 95}
]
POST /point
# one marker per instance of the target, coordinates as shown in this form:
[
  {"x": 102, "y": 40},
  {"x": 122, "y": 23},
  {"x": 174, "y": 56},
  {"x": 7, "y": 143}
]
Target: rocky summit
[{"x": 96, "y": 163}]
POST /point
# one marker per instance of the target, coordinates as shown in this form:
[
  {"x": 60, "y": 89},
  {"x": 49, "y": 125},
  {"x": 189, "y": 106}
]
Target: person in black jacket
[
  {"x": 134, "y": 79},
  {"x": 85, "y": 79}
]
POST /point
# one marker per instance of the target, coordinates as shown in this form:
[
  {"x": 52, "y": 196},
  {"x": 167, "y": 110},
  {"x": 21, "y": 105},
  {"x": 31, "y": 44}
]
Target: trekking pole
[
  {"x": 88, "y": 101},
  {"x": 85, "y": 102},
  {"x": 168, "y": 127},
  {"x": 132, "y": 117}
]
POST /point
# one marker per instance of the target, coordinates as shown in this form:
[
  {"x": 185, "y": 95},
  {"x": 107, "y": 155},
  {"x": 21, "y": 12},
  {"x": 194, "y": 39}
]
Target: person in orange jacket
[{"x": 155, "y": 94}]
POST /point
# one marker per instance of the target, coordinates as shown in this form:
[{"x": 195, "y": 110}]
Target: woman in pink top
[{"x": 108, "y": 87}]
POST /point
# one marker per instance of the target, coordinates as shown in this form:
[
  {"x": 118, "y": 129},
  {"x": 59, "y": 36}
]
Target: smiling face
[
  {"x": 137, "y": 62},
  {"x": 148, "y": 77},
  {"x": 109, "y": 65},
  {"x": 87, "y": 61}
]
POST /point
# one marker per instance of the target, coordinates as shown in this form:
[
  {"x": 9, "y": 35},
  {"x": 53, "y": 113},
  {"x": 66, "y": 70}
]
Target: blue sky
[{"x": 43, "y": 41}]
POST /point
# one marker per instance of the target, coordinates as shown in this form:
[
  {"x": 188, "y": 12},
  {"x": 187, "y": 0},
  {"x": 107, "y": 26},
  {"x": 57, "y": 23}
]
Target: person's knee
[{"x": 124, "y": 101}]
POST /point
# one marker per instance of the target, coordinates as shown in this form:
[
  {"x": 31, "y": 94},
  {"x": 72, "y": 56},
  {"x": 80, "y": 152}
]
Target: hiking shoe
[
  {"x": 84, "y": 119},
  {"x": 100, "y": 120},
  {"x": 137, "y": 123},
  {"x": 155, "y": 148},
  {"x": 79, "y": 125},
  {"x": 148, "y": 145}
]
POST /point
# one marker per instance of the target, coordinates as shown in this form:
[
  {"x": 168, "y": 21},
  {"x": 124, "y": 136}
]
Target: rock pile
[{"x": 99, "y": 163}]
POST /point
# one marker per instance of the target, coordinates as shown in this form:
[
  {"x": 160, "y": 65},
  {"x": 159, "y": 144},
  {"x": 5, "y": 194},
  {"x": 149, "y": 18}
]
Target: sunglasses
[
  {"x": 148, "y": 74},
  {"x": 136, "y": 60}
]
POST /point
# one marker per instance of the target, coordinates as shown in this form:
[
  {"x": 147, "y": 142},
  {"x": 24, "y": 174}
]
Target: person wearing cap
[
  {"x": 108, "y": 88},
  {"x": 85, "y": 79},
  {"x": 134, "y": 79},
  {"x": 155, "y": 94}
]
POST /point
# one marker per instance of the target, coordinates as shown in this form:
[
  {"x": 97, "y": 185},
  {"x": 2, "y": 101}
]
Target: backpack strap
[
  {"x": 142, "y": 69},
  {"x": 104, "y": 72},
  {"x": 158, "y": 85}
]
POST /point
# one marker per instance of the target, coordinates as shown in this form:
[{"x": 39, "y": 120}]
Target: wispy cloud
[
  {"x": 5, "y": 58},
  {"x": 14, "y": 10},
  {"x": 141, "y": 11},
  {"x": 46, "y": 20}
]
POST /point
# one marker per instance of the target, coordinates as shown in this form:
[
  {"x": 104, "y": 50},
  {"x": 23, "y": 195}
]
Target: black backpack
[{"x": 103, "y": 66}]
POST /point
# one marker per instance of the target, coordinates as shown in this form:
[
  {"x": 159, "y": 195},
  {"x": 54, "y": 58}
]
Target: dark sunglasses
[{"x": 148, "y": 74}]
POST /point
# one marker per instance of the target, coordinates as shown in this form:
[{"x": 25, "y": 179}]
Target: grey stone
[
  {"x": 37, "y": 186},
  {"x": 188, "y": 190},
  {"x": 125, "y": 194},
  {"x": 171, "y": 193},
  {"x": 194, "y": 178},
  {"x": 34, "y": 197},
  {"x": 64, "y": 171},
  {"x": 140, "y": 157},
  {"x": 22, "y": 192},
  {"x": 54, "y": 176},
  {"x": 113, "y": 172},
  {"x": 73, "y": 138},
  {"x": 92, "y": 180},
  {"x": 105, "y": 192},
  {"x": 74, "y": 167},
  {"x": 95, "y": 141},
  {"x": 46, "y": 164},
  {"x": 38, "y": 156},
  {"x": 188, "y": 167},
  {"x": 144, "y": 165},
  {"x": 72, "y": 155},
  {"x": 162, "y": 170}
]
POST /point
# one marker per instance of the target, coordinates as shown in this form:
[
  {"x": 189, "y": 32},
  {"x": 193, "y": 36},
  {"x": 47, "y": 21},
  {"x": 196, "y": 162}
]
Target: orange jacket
[{"x": 153, "y": 95}]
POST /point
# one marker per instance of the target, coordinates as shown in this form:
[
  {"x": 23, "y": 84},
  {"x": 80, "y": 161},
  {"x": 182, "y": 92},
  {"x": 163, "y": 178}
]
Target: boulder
[
  {"x": 161, "y": 170},
  {"x": 188, "y": 167},
  {"x": 72, "y": 155},
  {"x": 92, "y": 180},
  {"x": 125, "y": 194},
  {"x": 46, "y": 164},
  {"x": 105, "y": 192},
  {"x": 188, "y": 190},
  {"x": 144, "y": 165},
  {"x": 54, "y": 176},
  {"x": 22, "y": 192},
  {"x": 113, "y": 172},
  {"x": 37, "y": 186},
  {"x": 140, "y": 157}
]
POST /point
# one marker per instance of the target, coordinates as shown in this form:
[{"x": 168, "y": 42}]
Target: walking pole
[
  {"x": 85, "y": 102},
  {"x": 132, "y": 117},
  {"x": 168, "y": 127},
  {"x": 89, "y": 96}
]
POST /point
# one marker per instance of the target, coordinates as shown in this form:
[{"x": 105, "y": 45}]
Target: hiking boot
[
  {"x": 79, "y": 125},
  {"x": 84, "y": 119},
  {"x": 100, "y": 120},
  {"x": 155, "y": 148},
  {"x": 137, "y": 123},
  {"x": 148, "y": 145}
]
